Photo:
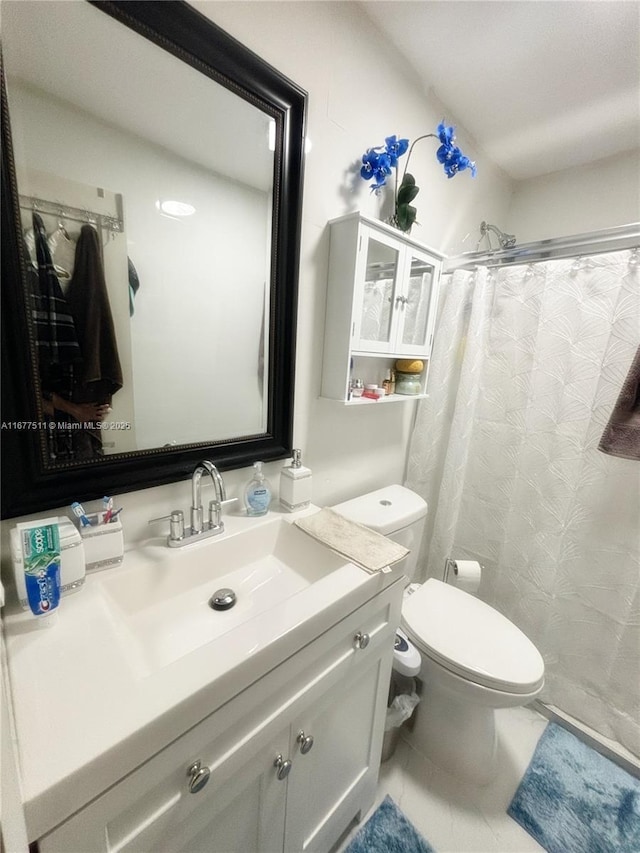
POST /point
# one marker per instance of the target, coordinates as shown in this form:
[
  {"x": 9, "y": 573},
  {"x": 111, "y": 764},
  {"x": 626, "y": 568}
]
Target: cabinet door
[
  {"x": 377, "y": 282},
  {"x": 241, "y": 809},
  {"x": 336, "y": 779},
  {"x": 416, "y": 304}
]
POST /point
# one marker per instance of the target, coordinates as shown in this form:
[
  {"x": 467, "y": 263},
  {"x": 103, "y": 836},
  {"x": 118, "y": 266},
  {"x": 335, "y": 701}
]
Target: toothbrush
[
  {"x": 107, "y": 507},
  {"x": 79, "y": 512}
]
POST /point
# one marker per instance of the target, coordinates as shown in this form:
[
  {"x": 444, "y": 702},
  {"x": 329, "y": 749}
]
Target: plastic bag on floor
[{"x": 400, "y": 710}]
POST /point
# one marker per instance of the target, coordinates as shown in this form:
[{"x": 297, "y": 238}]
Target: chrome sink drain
[{"x": 222, "y": 599}]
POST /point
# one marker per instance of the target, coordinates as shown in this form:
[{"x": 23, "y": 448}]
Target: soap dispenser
[
  {"x": 257, "y": 495},
  {"x": 295, "y": 484}
]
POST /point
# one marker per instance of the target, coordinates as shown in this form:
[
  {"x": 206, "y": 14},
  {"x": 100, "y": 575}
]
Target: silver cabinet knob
[
  {"x": 198, "y": 777},
  {"x": 361, "y": 640},
  {"x": 305, "y": 741},
  {"x": 283, "y": 767}
]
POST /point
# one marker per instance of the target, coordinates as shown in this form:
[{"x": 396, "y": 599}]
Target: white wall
[{"x": 574, "y": 201}]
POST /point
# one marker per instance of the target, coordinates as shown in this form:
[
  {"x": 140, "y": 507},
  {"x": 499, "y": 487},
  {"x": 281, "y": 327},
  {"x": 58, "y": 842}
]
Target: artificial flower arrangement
[{"x": 378, "y": 163}]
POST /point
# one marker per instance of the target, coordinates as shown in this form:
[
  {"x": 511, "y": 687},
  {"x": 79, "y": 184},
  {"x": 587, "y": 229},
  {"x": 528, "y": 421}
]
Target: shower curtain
[{"x": 527, "y": 365}]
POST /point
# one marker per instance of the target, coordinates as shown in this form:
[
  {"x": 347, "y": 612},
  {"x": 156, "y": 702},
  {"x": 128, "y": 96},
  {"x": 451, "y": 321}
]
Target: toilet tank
[{"x": 394, "y": 511}]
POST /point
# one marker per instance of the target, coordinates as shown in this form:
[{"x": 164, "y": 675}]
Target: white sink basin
[{"x": 162, "y": 602}]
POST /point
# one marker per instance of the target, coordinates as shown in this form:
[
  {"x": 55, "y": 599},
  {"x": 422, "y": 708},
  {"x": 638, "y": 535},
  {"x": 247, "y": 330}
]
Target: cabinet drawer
[{"x": 153, "y": 808}]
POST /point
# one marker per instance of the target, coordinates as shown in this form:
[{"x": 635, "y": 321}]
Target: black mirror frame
[{"x": 28, "y": 485}]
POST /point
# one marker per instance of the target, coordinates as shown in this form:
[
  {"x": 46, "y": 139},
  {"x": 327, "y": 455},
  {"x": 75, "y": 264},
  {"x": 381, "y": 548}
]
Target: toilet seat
[{"x": 471, "y": 639}]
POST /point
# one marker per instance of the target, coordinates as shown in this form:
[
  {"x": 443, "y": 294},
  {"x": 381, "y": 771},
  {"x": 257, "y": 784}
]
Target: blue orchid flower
[
  {"x": 395, "y": 148},
  {"x": 443, "y": 154},
  {"x": 454, "y": 160},
  {"x": 378, "y": 163},
  {"x": 465, "y": 163},
  {"x": 446, "y": 135}
]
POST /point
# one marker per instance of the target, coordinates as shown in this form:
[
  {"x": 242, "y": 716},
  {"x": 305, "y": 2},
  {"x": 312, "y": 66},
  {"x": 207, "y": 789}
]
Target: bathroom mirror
[{"x": 152, "y": 166}]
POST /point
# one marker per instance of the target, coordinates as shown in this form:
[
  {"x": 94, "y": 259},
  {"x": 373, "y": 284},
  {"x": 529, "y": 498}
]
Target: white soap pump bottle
[{"x": 295, "y": 484}]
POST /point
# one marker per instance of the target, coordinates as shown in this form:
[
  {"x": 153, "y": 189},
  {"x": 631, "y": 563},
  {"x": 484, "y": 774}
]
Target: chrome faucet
[
  {"x": 206, "y": 467},
  {"x": 178, "y": 535}
]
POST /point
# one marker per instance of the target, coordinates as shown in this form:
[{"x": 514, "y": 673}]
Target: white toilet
[{"x": 474, "y": 660}]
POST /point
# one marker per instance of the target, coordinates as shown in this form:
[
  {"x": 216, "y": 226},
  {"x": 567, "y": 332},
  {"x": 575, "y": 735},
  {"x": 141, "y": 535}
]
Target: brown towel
[
  {"x": 622, "y": 434},
  {"x": 89, "y": 303}
]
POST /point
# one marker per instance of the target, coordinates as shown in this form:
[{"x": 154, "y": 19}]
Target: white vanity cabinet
[
  {"x": 381, "y": 304},
  {"x": 284, "y": 766}
]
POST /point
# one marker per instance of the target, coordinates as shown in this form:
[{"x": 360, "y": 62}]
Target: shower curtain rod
[{"x": 607, "y": 240}]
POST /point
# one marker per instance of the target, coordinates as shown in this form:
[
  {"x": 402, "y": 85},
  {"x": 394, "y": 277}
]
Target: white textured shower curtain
[{"x": 527, "y": 365}]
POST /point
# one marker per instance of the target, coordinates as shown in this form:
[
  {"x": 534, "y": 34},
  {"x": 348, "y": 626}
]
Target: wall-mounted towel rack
[{"x": 113, "y": 224}]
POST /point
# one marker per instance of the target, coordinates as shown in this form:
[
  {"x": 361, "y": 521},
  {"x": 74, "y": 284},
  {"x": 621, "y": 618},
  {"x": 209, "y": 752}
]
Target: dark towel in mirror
[{"x": 89, "y": 303}]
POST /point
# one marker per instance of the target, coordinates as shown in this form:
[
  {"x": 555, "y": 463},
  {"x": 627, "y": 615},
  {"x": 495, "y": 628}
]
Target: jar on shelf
[
  {"x": 408, "y": 383},
  {"x": 408, "y": 376}
]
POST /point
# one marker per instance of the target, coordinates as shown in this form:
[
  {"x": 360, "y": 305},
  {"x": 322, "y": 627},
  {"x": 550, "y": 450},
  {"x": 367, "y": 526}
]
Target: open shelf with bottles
[{"x": 373, "y": 370}]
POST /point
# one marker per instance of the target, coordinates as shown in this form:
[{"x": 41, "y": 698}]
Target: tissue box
[{"x": 103, "y": 543}]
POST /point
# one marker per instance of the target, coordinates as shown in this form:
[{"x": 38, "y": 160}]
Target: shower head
[{"x": 506, "y": 240}]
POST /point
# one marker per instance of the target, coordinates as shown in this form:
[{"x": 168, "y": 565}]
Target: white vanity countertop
[{"x": 87, "y": 711}]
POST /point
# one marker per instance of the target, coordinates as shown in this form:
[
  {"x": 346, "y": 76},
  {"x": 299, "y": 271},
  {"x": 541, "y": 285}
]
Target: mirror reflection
[{"x": 147, "y": 234}]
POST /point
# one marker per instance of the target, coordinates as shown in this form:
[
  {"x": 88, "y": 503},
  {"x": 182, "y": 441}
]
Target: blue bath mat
[
  {"x": 388, "y": 831},
  {"x": 574, "y": 800}
]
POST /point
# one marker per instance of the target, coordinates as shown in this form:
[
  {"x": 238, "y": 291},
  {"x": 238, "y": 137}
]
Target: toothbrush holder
[{"x": 103, "y": 543}]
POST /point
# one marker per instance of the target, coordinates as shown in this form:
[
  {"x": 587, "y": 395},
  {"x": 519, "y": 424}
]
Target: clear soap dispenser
[
  {"x": 295, "y": 484},
  {"x": 257, "y": 495}
]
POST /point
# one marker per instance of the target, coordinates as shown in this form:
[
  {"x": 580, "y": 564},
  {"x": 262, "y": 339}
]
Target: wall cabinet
[
  {"x": 285, "y": 766},
  {"x": 381, "y": 304}
]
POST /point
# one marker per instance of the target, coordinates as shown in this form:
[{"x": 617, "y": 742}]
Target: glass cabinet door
[
  {"x": 376, "y": 328},
  {"x": 416, "y": 300}
]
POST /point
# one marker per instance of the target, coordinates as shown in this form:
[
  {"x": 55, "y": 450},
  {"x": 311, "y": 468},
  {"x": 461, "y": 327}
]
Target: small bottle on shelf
[{"x": 389, "y": 383}]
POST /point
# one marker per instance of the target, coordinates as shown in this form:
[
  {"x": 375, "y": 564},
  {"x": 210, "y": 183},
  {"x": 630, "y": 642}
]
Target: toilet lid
[{"x": 471, "y": 639}]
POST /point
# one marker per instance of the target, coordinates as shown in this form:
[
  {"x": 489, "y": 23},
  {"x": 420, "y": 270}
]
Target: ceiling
[{"x": 540, "y": 86}]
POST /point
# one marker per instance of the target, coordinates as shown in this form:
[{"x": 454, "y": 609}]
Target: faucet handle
[
  {"x": 176, "y": 524},
  {"x": 215, "y": 512}
]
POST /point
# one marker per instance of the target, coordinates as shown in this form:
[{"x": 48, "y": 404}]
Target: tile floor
[{"x": 459, "y": 818}]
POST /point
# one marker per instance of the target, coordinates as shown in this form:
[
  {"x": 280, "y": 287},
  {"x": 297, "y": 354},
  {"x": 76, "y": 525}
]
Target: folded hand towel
[
  {"x": 622, "y": 434},
  {"x": 367, "y": 549}
]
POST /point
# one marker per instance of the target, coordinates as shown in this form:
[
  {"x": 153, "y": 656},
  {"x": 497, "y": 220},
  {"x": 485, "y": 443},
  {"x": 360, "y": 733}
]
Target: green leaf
[
  {"x": 407, "y": 194},
  {"x": 406, "y": 216},
  {"x": 408, "y": 190}
]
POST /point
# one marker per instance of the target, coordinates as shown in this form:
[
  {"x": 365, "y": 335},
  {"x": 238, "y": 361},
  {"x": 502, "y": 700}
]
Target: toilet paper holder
[{"x": 451, "y": 565}]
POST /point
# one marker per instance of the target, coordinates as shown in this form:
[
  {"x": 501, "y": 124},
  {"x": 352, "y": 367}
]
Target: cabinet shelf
[
  {"x": 381, "y": 306},
  {"x": 391, "y": 398}
]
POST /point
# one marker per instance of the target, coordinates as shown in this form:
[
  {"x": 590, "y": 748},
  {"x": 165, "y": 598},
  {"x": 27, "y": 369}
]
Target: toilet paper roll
[{"x": 466, "y": 575}]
